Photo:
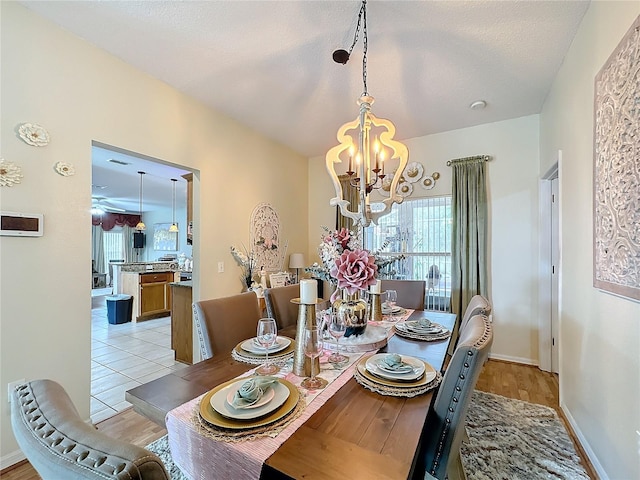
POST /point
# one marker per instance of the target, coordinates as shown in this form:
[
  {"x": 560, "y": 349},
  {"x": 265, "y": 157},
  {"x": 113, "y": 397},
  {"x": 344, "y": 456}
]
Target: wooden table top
[{"x": 355, "y": 434}]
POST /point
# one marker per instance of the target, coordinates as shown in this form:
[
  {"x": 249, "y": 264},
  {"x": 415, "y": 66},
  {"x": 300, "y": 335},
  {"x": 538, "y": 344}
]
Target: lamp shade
[{"x": 296, "y": 260}]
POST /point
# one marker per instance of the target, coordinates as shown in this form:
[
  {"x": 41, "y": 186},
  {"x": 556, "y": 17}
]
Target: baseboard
[
  {"x": 507, "y": 358},
  {"x": 11, "y": 459},
  {"x": 602, "y": 475}
]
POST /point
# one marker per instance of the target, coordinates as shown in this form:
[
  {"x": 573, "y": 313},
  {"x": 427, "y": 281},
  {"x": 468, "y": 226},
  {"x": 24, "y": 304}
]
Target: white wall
[
  {"x": 81, "y": 94},
  {"x": 513, "y": 217},
  {"x": 600, "y": 333}
]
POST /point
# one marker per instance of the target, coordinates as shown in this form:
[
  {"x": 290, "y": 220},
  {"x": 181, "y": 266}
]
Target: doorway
[
  {"x": 129, "y": 354},
  {"x": 550, "y": 272}
]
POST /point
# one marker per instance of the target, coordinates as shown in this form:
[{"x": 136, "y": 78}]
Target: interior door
[{"x": 555, "y": 261}]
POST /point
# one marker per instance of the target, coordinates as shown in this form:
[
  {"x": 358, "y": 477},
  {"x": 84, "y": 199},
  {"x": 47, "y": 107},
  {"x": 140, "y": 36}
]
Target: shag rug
[{"x": 508, "y": 440}]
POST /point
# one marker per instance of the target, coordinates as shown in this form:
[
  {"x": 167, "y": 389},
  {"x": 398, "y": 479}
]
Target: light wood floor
[{"x": 511, "y": 380}]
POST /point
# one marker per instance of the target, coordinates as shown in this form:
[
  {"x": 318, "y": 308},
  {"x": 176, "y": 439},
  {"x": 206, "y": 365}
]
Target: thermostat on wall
[{"x": 16, "y": 224}]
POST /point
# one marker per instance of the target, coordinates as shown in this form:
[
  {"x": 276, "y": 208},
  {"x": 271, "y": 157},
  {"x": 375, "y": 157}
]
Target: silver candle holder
[{"x": 306, "y": 320}]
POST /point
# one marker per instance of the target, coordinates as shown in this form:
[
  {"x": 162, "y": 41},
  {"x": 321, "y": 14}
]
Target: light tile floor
[{"x": 125, "y": 356}]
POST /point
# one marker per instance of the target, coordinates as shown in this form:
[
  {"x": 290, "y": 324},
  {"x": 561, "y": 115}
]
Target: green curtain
[
  {"x": 468, "y": 235},
  {"x": 350, "y": 194}
]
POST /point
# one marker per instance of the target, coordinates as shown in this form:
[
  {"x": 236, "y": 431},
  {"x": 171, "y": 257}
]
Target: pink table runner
[{"x": 200, "y": 457}]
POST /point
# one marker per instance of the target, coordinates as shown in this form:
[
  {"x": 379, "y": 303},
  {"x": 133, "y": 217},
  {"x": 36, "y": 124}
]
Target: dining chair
[
  {"x": 224, "y": 322},
  {"x": 279, "y": 306},
  {"x": 60, "y": 444},
  {"x": 478, "y": 305},
  {"x": 410, "y": 292},
  {"x": 444, "y": 430}
]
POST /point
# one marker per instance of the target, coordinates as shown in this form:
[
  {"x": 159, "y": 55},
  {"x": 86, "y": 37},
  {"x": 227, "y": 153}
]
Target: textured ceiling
[{"x": 268, "y": 63}]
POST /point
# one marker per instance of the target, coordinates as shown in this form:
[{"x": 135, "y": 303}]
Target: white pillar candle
[
  {"x": 308, "y": 291},
  {"x": 375, "y": 288}
]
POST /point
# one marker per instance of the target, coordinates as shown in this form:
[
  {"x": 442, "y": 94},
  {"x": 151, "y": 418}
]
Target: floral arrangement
[
  {"x": 346, "y": 264},
  {"x": 248, "y": 264}
]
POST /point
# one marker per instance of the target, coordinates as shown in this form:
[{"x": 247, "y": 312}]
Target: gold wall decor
[{"x": 616, "y": 177}]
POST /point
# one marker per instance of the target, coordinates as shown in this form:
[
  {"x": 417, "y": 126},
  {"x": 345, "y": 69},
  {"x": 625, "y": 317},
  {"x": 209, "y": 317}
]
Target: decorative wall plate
[
  {"x": 386, "y": 183},
  {"x": 428, "y": 183},
  {"x": 405, "y": 189},
  {"x": 33, "y": 134},
  {"x": 413, "y": 172},
  {"x": 10, "y": 174},
  {"x": 65, "y": 169}
]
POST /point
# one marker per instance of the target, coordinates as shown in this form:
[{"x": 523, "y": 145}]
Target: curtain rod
[{"x": 486, "y": 158}]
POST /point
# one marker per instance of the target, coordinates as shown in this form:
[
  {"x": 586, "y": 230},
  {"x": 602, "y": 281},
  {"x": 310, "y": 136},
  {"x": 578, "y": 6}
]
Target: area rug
[
  {"x": 508, "y": 440},
  {"x": 515, "y": 440}
]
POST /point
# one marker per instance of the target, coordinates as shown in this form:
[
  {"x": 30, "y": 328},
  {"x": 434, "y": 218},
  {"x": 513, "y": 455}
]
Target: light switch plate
[{"x": 220, "y": 267}]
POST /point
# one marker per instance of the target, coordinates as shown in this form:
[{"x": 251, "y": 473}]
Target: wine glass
[
  {"x": 392, "y": 298},
  {"x": 337, "y": 327},
  {"x": 267, "y": 335},
  {"x": 313, "y": 349}
]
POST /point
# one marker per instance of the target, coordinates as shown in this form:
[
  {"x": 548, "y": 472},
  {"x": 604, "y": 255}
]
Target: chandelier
[
  {"x": 367, "y": 146},
  {"x": 141, "y": 226}
]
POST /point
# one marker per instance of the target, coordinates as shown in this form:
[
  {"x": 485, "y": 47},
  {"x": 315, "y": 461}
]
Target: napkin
[
  {"x": 394, "y": 362},
  {"x": 251, "y": 391}
]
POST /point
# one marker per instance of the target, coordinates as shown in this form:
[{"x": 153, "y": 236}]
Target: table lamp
[{"x": 296, "y": 260}]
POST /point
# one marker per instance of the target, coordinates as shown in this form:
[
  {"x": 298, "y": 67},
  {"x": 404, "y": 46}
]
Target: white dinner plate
[
  {"x": 396, "y": 309},
  {"x": 372, "y": 365},
  {"x": 251, "y": 346},
  {"x": 267, "y": 396},
  {"x": 221, "y": 405},
  {"x": 432, "y": 330}
]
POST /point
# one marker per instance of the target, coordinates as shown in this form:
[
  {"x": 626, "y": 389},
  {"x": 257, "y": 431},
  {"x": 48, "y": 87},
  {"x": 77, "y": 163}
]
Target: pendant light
[
  {"x": 174, "y": 226},
  {"x": 141, "y": 226}
]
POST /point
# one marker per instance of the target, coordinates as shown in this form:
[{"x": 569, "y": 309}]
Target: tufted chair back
[
  {"x": 410, "y": 292},
  {"x": 223, "y": 322},
  {"x": 59, "y": 444},
  {"x": 478, "y": 305},
  {"x": 279, "y": 306},
  {"x": 444, "y": 430}
]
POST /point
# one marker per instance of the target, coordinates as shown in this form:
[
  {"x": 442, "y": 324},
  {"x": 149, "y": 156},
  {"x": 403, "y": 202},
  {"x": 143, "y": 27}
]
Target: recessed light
[{"x": 478, "y": 105}]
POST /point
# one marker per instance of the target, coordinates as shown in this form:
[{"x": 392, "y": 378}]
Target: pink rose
[
  {"x": 343, "y": 236},
  {"x": 355, "y": 270}
]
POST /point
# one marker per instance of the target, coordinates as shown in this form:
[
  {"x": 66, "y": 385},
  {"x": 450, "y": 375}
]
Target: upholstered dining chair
[
  {"x": 410, "y": 292},
  {"x": 478, "y": 305},
  {"x": 59, "y": 444},
  {"x": 443, "y": 432},
  {"x": 279, "y": 306},
  {"x": 223, "y": 322}
]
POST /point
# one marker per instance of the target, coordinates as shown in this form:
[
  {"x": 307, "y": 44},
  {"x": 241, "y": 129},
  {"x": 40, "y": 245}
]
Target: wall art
[
  {"x": 33, "y": 134},
  {"x": 616, "y": 178},
  {"x": 265, "y": 238},
  {"x": 10, "y": 173}
]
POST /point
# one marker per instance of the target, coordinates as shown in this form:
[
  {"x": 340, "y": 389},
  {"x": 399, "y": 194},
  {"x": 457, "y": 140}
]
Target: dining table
[{"x": 356, "y": 433}]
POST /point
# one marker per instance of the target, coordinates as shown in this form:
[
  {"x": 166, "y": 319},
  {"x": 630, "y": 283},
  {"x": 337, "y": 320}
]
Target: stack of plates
[
  {"x": 395, "y": 310},
  {"x": 250, "y": 351},
  {"x": 417, "y": 378},
  {"x": 277, "y": 401},
  {"x": 418, "y": 331}
]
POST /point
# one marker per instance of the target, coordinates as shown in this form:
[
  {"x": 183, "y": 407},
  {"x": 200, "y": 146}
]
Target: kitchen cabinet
[
  {"x": 182, "y": 321},
  {"x": 151, "y": 293}
]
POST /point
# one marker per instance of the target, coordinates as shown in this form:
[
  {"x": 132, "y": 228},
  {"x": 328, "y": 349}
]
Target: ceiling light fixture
[
  {"x": 368, "y": 146},
  {"x": 478, "y": 105},
  {"x": 141, "y": 226},
  {"x": 174, "y": 225}
]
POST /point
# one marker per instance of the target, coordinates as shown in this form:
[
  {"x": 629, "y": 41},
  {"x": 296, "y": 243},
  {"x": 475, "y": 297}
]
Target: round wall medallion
[
  {"x": 413, "y": 172},
  {"x": 405, "y": 189},
  {"x": 435, "y": 175},
  {"x": 65, "y": 169},
  {"x": 428, "y": 183},
  {"x": 33, "y": 134},
  {"x": 10, "y": 174}
]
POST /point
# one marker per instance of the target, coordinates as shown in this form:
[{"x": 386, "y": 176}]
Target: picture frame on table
[{"x": 279, "y": 279}]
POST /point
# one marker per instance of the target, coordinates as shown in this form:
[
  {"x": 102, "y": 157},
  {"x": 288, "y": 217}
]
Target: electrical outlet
[
  {"x": 11, "y": 386},
  {"x": 220, "y": 267}
]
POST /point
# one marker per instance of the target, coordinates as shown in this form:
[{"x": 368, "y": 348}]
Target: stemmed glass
[
  {"x": 337, "y": 328},
  {"x": 313, "y": 349},
  {"x": 392, "y": 298},
  {"x": 267, "y": 335}
]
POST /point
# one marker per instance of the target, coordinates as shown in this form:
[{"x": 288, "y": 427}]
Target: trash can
[{"x": 119, "y": 308}]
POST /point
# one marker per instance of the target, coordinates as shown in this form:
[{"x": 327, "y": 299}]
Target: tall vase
[{"x": 354, "y": 310}]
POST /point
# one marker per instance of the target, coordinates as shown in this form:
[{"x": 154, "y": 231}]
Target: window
[
  {"x": 420, "y": 229},
  {"x": 113, "y": 248}
]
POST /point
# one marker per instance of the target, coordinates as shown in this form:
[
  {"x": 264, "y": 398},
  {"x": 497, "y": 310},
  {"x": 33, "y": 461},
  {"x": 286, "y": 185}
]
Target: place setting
[
  {"x": 422, "y": 329},
  {"x": 267, "y": 348},
  {"x": 248, "y": 407},
  {"x": 396, "y": 375}
]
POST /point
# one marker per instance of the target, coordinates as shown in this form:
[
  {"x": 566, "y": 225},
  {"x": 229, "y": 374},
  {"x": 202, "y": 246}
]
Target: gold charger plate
[
  {"x": 421, "y": 382},
  {"x": 214, "y": 418},
  {"x": 282, "y": 353}
]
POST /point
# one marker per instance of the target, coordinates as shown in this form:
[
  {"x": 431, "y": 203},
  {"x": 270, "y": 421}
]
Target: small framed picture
[{"x": 279, "y": 279}]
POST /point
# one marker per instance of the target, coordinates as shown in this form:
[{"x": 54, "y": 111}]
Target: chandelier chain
[{"x": 362, "y": 24}]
